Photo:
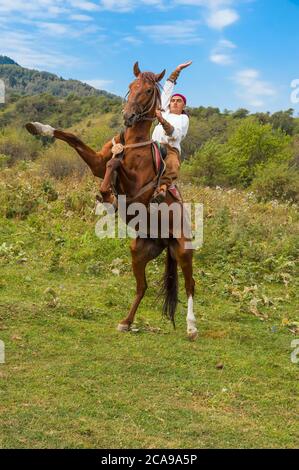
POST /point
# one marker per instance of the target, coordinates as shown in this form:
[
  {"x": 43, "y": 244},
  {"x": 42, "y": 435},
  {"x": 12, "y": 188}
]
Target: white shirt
[{"x": 180, "y": 122}]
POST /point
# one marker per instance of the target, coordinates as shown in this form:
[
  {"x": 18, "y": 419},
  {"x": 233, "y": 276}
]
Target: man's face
[{"x": 177, "y": 105}]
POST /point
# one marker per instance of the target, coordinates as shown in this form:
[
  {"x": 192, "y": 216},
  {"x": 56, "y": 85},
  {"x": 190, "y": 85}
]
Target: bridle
[
  {"x": 142, "y": 115},
  {"x": 118, "y": 150}
]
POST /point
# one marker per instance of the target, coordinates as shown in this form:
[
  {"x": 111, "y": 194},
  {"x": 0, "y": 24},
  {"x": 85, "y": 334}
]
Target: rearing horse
[{"x": 135, "y": 174}]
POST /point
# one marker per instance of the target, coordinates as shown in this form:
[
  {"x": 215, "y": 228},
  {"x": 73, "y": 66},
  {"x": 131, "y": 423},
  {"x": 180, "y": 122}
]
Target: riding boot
[{"x": 159, "y": 195}]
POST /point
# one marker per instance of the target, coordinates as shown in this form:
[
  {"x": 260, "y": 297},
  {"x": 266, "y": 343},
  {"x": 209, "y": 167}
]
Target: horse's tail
[{"x": 170, "y": 287}]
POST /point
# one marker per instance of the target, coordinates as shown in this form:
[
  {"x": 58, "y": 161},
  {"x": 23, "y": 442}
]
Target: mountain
[
  {"x": 4, "y": 60},
  {"x": 25, "y": 81}
]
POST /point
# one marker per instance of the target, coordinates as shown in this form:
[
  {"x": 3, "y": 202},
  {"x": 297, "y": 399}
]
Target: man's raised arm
[{"x": 169, "y": 85}]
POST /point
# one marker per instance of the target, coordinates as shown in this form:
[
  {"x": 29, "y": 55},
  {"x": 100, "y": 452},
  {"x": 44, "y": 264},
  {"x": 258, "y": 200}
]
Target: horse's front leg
[
  {"x": 106, "y": 186},
  {"x": 95, "y": 160}
]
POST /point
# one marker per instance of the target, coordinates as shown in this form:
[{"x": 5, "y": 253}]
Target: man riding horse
[
  {"x": 138, "y": 178},
  {"x": 171, "y": 130}
]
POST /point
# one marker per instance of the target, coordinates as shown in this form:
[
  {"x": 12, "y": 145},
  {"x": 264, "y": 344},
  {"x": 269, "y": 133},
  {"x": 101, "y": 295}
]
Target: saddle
[{"x": 159, "y": 154}]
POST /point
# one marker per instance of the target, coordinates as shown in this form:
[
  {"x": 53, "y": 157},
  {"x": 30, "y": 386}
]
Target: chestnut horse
[{"x": 135, "y": 174}]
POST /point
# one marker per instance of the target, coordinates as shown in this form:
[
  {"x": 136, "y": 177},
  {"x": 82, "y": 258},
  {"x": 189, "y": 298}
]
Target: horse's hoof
[
  {"x": 31, "y": 128},
  {"x": 37, "y": 128},
  {"x": 123, "y": 327},
  {"x": 192, "y": 335}
]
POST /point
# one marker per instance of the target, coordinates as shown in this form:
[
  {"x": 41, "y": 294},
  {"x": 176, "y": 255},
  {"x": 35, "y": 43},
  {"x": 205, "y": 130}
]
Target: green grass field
[{"x": 72, "y": 380}]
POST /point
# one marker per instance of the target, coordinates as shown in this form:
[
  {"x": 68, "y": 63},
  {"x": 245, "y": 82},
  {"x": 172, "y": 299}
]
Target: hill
[
  {"x": 4, "y": 60},
  {"x": 32, "y": 82}
]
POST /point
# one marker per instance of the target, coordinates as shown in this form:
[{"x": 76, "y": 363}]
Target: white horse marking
[{"x": 191, "y": 320}]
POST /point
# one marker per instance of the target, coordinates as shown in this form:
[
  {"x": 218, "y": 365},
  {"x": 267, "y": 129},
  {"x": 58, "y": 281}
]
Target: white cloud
[
  {"x": 81, "y": 18},
  {"x": 220, "y": 19},
  {"x": 84, "y": 5},
  {"x": 27, "y": 51},
  {"x": 176, "y": 32},
  {"x": 220, "y": 59},
  {"x": 123, "y": 6},
  {"x": 221, "y": 55},
  {"x": 217, "y": 14},
  {"x": 118, "y": 6},
  {"x": 252, "y": 88},
  {"x": 132, "y": 40},
  {"x": 44, "y": 8},
  {"x": 55, "y": 29},
  {"x": 99, "y": 84}
]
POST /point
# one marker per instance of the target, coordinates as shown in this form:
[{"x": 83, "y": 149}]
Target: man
[{"x": 171, "y": 130}]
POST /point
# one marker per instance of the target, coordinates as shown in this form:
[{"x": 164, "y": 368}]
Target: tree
[
  {"x": 241, "y": 113},
  {"x": 284, "y": 120},
  {"x": 206, "y": 164},
  {"x": 251, "y": 145}
]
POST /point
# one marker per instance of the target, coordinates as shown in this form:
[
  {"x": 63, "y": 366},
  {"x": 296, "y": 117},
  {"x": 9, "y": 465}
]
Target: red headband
[{"x": 181, "y": 96}]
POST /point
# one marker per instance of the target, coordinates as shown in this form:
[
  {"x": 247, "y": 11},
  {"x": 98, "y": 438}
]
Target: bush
[
  {"x": 4, "y": 159},
  {"x": 206, "y": 165},
  {"x": 17, "y": 144},
  {"x": 59, "y": 162},
  {"x": 19, "y": 200},
  {"x": 276, "y": 181},
  {"x": 251, "y": 145}
]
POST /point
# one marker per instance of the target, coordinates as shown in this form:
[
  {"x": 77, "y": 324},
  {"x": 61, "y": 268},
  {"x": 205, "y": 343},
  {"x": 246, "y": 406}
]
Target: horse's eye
[{"x": 149, "y": 91}]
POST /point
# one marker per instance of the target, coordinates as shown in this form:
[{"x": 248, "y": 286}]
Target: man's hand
[
  {"x": 159, "y": 115},
  {"x": 184, "y": 66}
]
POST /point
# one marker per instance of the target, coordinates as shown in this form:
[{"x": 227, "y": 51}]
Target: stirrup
[{"x": 158, "y": 197}]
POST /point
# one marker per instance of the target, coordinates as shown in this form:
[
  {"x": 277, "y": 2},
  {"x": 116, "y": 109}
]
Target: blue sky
[{"x": 245, "y": 52}]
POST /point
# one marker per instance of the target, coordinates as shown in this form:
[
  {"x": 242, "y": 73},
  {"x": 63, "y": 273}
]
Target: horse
[{"x": 136, "y": 177}]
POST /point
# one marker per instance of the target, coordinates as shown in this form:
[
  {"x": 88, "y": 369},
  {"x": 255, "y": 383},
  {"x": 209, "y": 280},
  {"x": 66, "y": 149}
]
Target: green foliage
[
  {"x": 251, "y": 145},
  {"x": 63, "y": 292},
  {"x": 60, "y": 162},
  {"x": 17, "y": 144},
  {"x": 49, "y": 190},
  {"x": 32, "y": 82},
  {"x": 206, "y": 165},
  {"x": 284, "y": 121},
  {"x": 19, "y": 200},
  {"x": 236, "y": 161},
  {"x": 4, "y": 159},
  {"x": 276, "y": 180},
  {"x": 58, "y": 112},
  {"x": 241, "y": 113},
  {"x": 4, "y": 60}
]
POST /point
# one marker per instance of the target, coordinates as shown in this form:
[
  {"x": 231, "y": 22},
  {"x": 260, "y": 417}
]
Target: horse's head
[{"x": 143, "y": 96}]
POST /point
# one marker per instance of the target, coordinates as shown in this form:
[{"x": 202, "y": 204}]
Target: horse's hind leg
[
  {"x": 184, "y": 258},
  {"x": 143, "y": 250}
]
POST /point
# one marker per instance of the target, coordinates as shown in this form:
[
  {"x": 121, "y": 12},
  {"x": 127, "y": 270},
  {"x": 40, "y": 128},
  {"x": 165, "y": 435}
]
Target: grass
[{"x": 72, "y": 381}]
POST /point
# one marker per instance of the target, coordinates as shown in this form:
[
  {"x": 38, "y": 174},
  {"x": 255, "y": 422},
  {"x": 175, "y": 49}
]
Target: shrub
[
  {"x": 19, "y": 201},
  {"x": 206, "y": 165},
  {"x": 59, "y": 162},
  {"x": 17, "y": 144},
  {"x": 251, "y": 145},
  {"x": 276, "y": 181},
  {"x": 4, "y": 159}
]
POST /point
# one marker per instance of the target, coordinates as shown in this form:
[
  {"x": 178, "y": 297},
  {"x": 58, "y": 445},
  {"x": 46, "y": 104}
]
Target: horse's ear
[
  {"x": 159, "y": 76},
  {"x": 136, "y": 69}
]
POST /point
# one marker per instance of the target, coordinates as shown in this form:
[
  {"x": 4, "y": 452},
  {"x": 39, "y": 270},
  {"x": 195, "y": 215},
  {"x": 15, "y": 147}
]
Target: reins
[{"x": 118, "y": 149}]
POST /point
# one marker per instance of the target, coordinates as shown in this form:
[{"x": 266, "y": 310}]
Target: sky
[{"x": 245, "y": 53}]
